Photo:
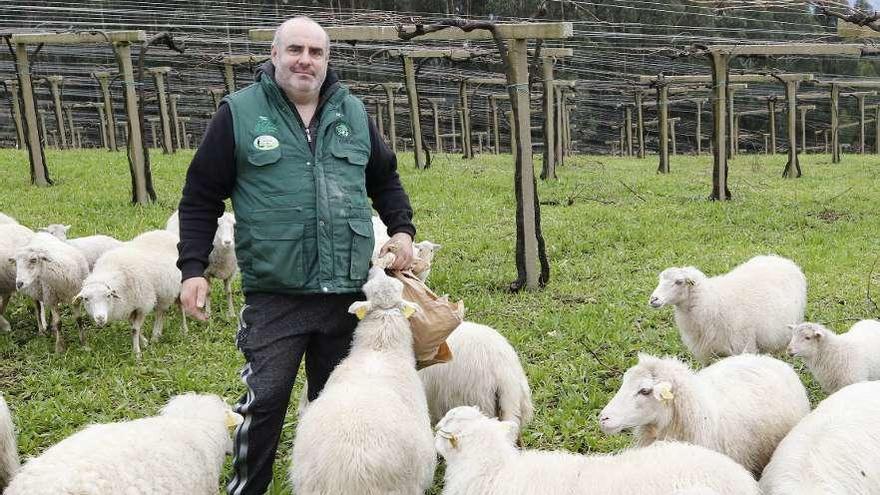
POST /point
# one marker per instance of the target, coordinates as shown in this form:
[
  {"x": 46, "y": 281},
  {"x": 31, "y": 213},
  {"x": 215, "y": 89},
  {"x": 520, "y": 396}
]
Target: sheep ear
[
  {"x": 360, "y": 308},
  {"x": 663, "y": 392},
  {"x": 11, "y": 261},
  {"x": 817, "y": 334},
  {"x": 511, "y": 431},
  {"x": 66, "y": 228},
  {"x": 233, "y": 419},
  {"x": 407, "y": 308}
]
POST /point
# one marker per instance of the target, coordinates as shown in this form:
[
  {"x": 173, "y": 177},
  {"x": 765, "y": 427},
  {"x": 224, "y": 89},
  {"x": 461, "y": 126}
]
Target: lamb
[
  {"x": 52, "y": 272},
  {"x": 723, "y": 407},
  {"x": 222, "y": 263},
  {"x": 8, "y": 449},
  {"x": 838, "y": 360},
  {"x": 133, "y": 280},
  {"x": 12, "y": 237},
  {"x": 6, "y": 219},
  {"x": 179, "y": 451},
  {"x": 834, "y": 450},
  {"x": 747, "y": 310},
  {"x": 485, "y": 371},
  {"x": 369, "y": 431},
  {"x": 481, "y": 459},
  {"x": 92, "y": 246},
  {"x": 423, "y": 252}
]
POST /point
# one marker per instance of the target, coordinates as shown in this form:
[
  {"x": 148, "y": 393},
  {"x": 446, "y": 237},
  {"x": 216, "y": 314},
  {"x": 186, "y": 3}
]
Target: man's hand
[
  {"x": 401, "y": 245},
  {"x": 193, "y": 293}
]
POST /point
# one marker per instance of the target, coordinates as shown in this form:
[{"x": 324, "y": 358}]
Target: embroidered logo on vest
[
  {"x": 266, "y": 142},
  {"x": 342, "y": 130},
  {"x": 265, "y": 125}
]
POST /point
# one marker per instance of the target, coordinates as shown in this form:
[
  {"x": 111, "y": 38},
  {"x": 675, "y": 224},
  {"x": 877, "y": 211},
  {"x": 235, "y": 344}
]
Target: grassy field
[{"x": 611, "y": 226}]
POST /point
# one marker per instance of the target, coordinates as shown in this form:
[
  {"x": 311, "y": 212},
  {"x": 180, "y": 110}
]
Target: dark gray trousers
[{"x": 274, "y": 332}]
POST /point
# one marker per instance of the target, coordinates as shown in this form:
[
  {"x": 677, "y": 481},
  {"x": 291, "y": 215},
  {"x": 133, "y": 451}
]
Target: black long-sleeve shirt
[{"x": 211, "y": 179}]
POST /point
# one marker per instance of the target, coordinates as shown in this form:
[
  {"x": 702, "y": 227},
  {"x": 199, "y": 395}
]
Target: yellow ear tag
[
  {"x": 408, "y": 311},
  {"x": 663, "y": 391},
  {"x": 361, "y": 312},
  {"x": 232, "y": 419}
]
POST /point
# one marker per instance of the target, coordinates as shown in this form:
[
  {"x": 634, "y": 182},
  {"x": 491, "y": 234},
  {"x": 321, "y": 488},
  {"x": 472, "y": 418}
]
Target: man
[{"x": 299, "y": 158}]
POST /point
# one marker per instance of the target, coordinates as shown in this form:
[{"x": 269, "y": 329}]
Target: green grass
[{"x": 611, "y": 226}]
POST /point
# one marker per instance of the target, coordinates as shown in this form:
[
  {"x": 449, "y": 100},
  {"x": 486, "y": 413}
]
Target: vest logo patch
[
  {"x": 266, "y": 142},
  {"x": 342, "y": 130},
  {"x": 264, "y": 125}
]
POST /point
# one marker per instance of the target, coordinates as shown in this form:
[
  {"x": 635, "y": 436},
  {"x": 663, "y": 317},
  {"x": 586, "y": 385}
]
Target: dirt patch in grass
[{"x": 830, "y": 216}]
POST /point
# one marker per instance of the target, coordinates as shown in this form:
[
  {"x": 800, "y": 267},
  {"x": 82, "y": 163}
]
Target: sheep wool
[
  {"x": 368, "y": 432},
  {"x": 481, "y": 459},
  {"x": 6, "y": 219},
  {"x": 834, "y": 450},
  {"x": 179, "y": 451},
  {"x": 484, "y": 372},
  {"x": 12, "y": 238},
  {"x": 746, "y": 310},
  {"x": 8, "y": 447},
  {"x": 838, "y": 360},
  {"x": 723, "y": 407}
]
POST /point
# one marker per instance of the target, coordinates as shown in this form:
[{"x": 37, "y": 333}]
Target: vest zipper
[{"x": 308, "y": 135}]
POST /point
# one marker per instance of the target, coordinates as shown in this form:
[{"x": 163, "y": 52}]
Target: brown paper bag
[{"x": 430, "y": 326}]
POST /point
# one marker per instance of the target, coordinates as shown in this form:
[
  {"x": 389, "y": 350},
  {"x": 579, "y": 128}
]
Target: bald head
[
  {"x": 300, "y": 53},
  {"x": 303, "y": 24}
]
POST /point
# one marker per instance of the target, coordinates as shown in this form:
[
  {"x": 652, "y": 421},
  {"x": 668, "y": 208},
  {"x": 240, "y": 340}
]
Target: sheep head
[
  {"x": 465, "y": 426},
  {"x": 29, "y": 261},
  {"x": 806, "y": 338},
  {"x": 675, "y": 285},
  {"x": 646, "y": 396},
  {"x": 57, "y": 229},
  {"x": 224, "y": 238},
  {"x": 383, "y": 293},
  {"x": 98, "y": 299}
]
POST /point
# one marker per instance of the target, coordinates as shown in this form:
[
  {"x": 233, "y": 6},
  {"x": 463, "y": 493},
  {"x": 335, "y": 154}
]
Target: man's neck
[{"x": 306, "y": 105}]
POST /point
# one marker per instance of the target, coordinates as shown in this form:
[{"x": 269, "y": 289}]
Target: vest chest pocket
[
  {"x": 350, "y": 165},
  {"x": 361, "y": 248},
  {"x": 262, "y": 158},
  {"x": 277, "y": 252}
]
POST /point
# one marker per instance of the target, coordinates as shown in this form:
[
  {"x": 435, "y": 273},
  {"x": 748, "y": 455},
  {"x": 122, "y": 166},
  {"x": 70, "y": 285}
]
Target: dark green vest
[{"x": 303, "y": 221}]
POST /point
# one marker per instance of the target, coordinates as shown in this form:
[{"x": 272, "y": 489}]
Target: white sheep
[
  {"x": 380, "y": 235},
  {"x": 91, "y": 246},
  {"x": 741, "y": 406},
  {"x": 369, "y": 431},
  {"x": 8, "y": 447},
  {"x": 481, "y": 459},
  {"x": 179, "y": 451},
  {"x": 838, "y": 360},
  {"x": 746, "y": 310},
  {"x": 131, "y": 281},
  {"x": 52, "y": 272},
  {"x": 834, "y": 450},
  {"x": 423, "y": 252},
  {"x": 12, "y": 238},
  {"x": 222, "y": 263},
  {"x": 485, "y": 371},
  {"x": 6, "y": 219}
]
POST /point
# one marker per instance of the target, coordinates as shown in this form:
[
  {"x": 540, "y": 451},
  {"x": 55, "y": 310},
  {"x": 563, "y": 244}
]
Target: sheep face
[
  {"x": 29, "y": 264},
  {"x": 225, "y": 236},
  {"x": 806, "y": 339},
  {"x": 98, "y": 300},
  {"x": 643, "y": 399},
  {"x": 57, "y": 229},
  {"x": 466, "y": 426},
  {"x": 425, "y": 250},
  {"x": 674, "y": 287}
]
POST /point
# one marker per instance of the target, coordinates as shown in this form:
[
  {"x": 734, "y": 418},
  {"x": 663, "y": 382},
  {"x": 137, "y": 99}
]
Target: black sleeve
[
  {"x": 209, "y": 181},
  {"x": 385, "y": 189}
]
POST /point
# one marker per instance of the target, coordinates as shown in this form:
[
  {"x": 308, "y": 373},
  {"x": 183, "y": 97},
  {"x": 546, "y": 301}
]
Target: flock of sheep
[{"x": 740, "y": 425}]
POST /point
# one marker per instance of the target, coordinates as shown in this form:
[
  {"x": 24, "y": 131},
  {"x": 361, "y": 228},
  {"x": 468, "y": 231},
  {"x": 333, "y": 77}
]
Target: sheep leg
[
  {"x": 4, "y": 325},
  {"x": 56, "y": 329},
  {"x": 40, "y": 315},
  {"x": 137, "y": 321},
  {"x": 80, "y": 325},
  {"x": 227, "y": 287},
  {"x": 158, "y": 323},
  {"x": 208, "y": 304}
]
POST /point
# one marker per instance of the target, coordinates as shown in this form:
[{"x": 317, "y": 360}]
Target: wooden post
[
  {"x": 452, "y": 117},
  {"x": 497, "y": 140},
  {"x": 825, "y": 135},
  {"x": 719, "y": 60},
  {"x": 466, "y": 145},
  {"x": 628, "y": 122},
  {"x": 392, "y": 125},
  {"x": 39, "y": 170},
  {"x": 12, "y": 86},
  {"x": 861, "y": 99},
  {"x": 55, "y": 83},
  {"x": 699, "y": 132},
  {"x": 568, "y": 141},
  {"x": 141, "y": 191},
  {"x": 735, "y": 133},
  {"x": 152, "y": 121},
  {"x": 640, "y": 121},
  {"x": 68, "y": 112},
  {"x": 672, "y": 137},
  {"x": 793, "y": 166},
  {"x": 175, "y": 119},
  {"x": 216, "y": 95},
  {"x": 229, "y": 77},
  {"x": 560, "y": 126},
  {"x": 766, "y": 143},
  {"x": 835, "y": 122},
  {"x": 164, "y": 117},
  {"x": 438, "y": 143},
  {"x": 182, "y": 121},
  {"x": 548, "y": 167},
  {"x": 771, "y": 109},
  {"x": 415, "y": 118},
  {"x": 877, "y": 129},
  {"x": 380, "y": 116},
  {"x": 803, "y": 111},
  {"x": 734, "y": 138},
  {"x": 45, "y": 139},
  {"x": 663, "y": 124},
  {"x": 103, "y": 124},
  {"x": 511, "y": 125},
  {"x": 104, "y": 81}
]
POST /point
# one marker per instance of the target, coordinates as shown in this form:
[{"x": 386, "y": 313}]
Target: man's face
[{"x": 300, "y": 59}]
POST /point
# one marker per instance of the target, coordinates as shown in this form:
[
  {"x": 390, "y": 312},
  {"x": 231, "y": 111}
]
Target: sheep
[
  {"x": 92, "y": 246},
  {"x": 834, "y": 450},
  {"x": 8, "y": 449},
  {"x": 481, "y": 459},
  {"x": 6, "y": 219},
  {"x": 380, "y": 235},
  {"x": 222, "y": 263},
  {"x": 12, "y": 237},
  {"x": 838, "y": 360},
  {"x": 369, "y": 431},
  {"x": 423, "y": 253},
  {"x": 133, "y": 280},
  {"x": 485, "y": 371},
  {"x": 179, "y": 451},
  {"x": 741, "y": 406},
  {"x": 747, "y": 310},
  {"x": 52, "y": 272}
]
